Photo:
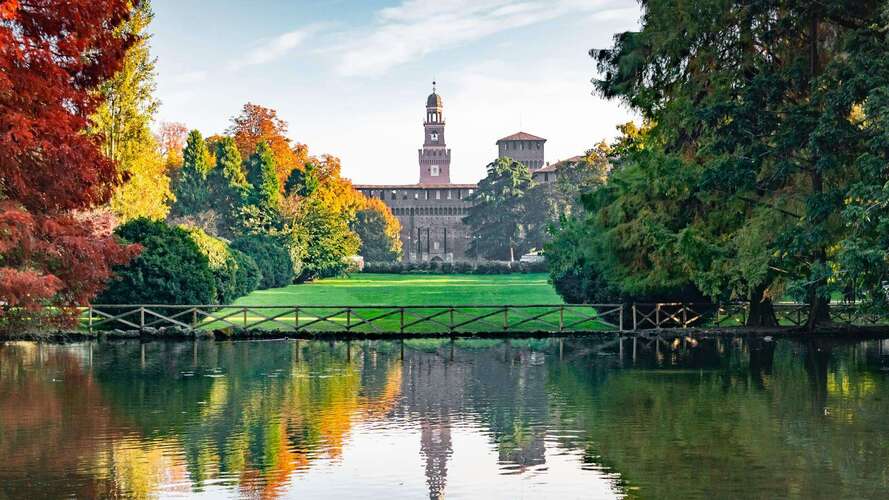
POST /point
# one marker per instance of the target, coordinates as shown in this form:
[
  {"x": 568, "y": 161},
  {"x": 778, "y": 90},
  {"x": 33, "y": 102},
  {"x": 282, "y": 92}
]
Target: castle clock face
[{"x": 433, "y": 136}]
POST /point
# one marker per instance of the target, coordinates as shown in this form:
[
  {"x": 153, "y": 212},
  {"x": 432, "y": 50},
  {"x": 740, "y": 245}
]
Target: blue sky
[{"x": 351, "y": 77}]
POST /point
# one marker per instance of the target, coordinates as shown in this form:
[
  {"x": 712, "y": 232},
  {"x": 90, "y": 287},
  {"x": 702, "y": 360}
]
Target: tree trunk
[
  {"x": 819, "y": 310},
  {"x": 762, "y": 313}
]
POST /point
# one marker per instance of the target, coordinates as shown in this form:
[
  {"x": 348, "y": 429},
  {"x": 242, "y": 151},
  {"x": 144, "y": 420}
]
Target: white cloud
[
  {"x": 417, "y": 27},
  {"x": 273, "y": 49}
]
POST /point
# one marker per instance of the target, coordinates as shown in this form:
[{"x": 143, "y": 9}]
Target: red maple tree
[{"x": 53, "y": 57}]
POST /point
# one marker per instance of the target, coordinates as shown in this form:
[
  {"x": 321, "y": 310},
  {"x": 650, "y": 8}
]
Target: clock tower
[{"x": 435, "y": 157}]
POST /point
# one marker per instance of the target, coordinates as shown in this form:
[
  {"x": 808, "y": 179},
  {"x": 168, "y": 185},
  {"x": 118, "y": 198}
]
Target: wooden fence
[
  {"x": 451, "y": 319},
  {"x": 361, "y": 319}
]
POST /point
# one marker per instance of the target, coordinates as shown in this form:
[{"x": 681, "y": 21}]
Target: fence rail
[
  {"x": 451, "y": 319},
  {"x": 362, "y": 319}
]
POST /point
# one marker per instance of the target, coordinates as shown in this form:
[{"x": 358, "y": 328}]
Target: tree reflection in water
[{"x": 665, "y": 418}]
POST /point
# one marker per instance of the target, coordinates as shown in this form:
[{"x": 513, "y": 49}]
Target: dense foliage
[
  {"x": 171, "y": 269},
  {"x": 123, "y": 122},
  {"x": 378, "y": 231},
  {"x": 761, "y": 169},
  {"x": 54, "y": 59},
  {"x": 498, "y": 211},
  {"x": 271, "y": 256},
  {"x": 230, "y": 279}
]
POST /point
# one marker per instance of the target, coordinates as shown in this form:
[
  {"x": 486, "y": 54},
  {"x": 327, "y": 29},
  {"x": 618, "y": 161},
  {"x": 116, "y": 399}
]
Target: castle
[{"x": 431, "y": 211}]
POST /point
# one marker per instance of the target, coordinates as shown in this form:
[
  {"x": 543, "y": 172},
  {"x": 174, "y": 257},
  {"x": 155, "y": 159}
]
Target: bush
[
  {"x": 248, "y": 274},
  {"x": 170, "y": 270},
  {"x": 271, "y": 255}
]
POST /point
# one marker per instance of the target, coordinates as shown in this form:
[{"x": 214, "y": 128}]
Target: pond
[{"x": 553, "y": 418}]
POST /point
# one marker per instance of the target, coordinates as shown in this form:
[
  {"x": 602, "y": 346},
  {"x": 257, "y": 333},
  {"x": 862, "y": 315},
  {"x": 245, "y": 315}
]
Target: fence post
[
  {"x": 684, "y": 317},
  {"x": 91, "y": 319},
  {"x": 635, "y": 327},
  {"x": 348, "y": 319},
  {"x": 620, "y": 326},
  {"x": 141, "y": 318},
  {"x": 505, "y": 318},
  {"x": 245, "y": 317},
  {"x": 401, "y": 329},
  {"x": 194, "y": 317},
  {"x": 657, "y": 316},
  {"x": 451, "y": 320},
  {"x": 561, "y": 318}
]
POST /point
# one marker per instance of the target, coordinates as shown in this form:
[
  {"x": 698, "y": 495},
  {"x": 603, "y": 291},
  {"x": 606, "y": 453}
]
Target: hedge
[
  {"x": 271, "y": 255},
  {"x": 486, "y": 267}
]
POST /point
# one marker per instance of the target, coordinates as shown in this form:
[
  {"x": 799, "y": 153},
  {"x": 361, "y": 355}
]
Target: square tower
[{"x": 434, "y": 156}]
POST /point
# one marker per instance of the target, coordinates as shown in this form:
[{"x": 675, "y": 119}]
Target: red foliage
[{"x": 53, "y": 57}]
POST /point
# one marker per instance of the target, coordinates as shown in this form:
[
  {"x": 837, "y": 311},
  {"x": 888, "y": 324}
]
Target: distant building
[
  {"x": 524, "y": 148},
  {"x": 430, "y": 212},
  {"x": 547, "y": 174}
]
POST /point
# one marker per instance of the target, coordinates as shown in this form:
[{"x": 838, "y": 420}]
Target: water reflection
[{"x": 602, "y": 418}]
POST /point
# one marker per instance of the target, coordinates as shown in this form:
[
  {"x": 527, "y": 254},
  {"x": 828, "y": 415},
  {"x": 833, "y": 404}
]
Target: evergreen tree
[
  {"x": 191, "y": 188},
  {"x": 498, "y": 210},
  {"x": 228, "y": 186},
  {"x": 765, "y": 110},
  {"x": 265, "y": 190}
]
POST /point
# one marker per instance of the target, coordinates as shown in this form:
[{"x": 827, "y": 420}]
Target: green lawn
[
  {"x": 413, "y": 290},
  {"x": 406, "y": 290}
]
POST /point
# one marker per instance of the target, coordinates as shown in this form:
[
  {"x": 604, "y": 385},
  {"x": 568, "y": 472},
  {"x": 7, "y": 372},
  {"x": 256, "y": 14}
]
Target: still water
[{"x": 555, "y": 418}]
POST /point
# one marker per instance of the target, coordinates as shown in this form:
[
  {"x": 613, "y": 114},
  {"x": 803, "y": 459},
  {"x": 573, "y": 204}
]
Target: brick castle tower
[{"x": 435, "y": 157}]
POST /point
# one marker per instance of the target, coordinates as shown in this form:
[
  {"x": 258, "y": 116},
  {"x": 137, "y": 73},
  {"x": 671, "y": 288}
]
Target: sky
[{"x": 351, "y": 77}]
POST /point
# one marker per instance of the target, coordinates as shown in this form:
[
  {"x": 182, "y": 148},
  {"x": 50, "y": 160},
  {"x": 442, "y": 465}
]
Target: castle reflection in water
[{"x": 603, "y": 417}]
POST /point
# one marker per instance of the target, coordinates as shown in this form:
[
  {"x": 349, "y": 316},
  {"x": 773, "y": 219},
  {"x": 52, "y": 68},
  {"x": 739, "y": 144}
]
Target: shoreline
[{"x": 183, "y": 335}]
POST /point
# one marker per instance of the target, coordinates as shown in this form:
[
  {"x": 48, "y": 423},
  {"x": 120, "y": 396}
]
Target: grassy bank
[
  {"x": 417, "y": 290},
  {"x": 407, "y": 290}
]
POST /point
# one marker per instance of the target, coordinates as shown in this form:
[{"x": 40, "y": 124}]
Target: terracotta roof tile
[{"x": 520, "y": 136}]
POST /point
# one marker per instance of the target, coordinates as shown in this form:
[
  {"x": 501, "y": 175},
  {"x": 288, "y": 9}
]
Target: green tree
[
  {"x": 262, "y": 209},
  {"x": 378, "y": 231},
  {"x": 498, "y": 210},
  {"x": 124, "y": 121},
  {"x": 228, "y": 186},
  {"x": 303, "y": 182},
  {"x": 170, "y": 269},
  {"x": 191, "y": 188},
  {"x": 757, "y": 102},
  {"x": 271, "y": 256},
  {"x": 323, "y": 241}
]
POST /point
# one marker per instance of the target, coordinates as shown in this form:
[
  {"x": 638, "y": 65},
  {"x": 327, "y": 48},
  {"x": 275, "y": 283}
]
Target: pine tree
[
  {"x": 228, "y": 186},
  {"x": 191, "y": 187}
]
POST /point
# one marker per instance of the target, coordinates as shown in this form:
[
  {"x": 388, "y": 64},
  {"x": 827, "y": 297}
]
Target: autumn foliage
[{"x": 53, "y": 57}]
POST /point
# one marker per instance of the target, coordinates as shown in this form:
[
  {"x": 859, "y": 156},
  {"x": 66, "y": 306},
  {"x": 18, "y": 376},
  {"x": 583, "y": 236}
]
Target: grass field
[
  {"x": 414, "y": 290},
  {"x": 407, "y": 290}
]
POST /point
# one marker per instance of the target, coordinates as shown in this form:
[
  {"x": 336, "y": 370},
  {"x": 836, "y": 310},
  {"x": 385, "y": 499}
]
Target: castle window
[
  {"x": 404, "y": 195},
  {"x": 438, "y": 194},
  {"x": 449, "y": 194},
  {"x": 434, "y": 171},
  {"x": 416, "y": 195},
  {"x": 435, "y": 245},
  {"x": 426, "y": 193},
  {"x": 394, "y": 195},
  {"x": 433, "y": 136}
]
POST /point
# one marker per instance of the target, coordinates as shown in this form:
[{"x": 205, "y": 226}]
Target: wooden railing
[
  {"x": 363, "y": 319},
  {"x": 452, "y": 319}
]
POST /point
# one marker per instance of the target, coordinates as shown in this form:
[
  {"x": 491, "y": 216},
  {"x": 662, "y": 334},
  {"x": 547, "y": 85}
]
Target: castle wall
[{"x": 431, "y": 218}]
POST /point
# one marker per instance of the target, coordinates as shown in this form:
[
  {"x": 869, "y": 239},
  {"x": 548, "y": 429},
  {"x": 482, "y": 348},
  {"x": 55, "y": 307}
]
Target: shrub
[
  {"x": 170, "y": 270},
  {"x": 247, "y": 275},
  {"x": 271, "y": 255},
  {"x": 222, "y": 264}
]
